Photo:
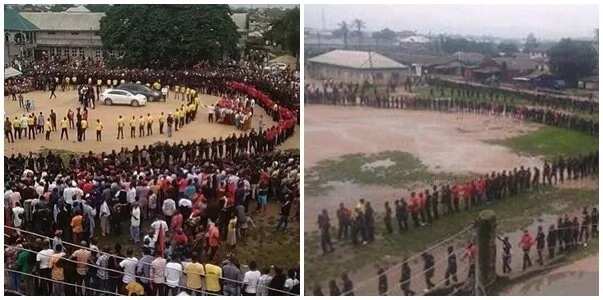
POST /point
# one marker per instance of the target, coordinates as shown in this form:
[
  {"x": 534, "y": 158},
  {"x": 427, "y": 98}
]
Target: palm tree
[
  {"x": 359, "y": 25},
  {"x": 345, "y": 31}
]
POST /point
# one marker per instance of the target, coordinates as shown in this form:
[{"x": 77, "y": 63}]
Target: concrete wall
[{"x": 381, "y": 77}]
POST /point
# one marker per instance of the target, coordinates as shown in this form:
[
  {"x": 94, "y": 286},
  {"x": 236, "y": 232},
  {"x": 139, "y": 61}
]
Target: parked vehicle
[
  {"x": 151, "y": 94},
  {"x": 119, "y": 96}
]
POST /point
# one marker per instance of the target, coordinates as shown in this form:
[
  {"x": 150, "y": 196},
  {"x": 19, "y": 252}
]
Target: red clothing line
[{"x": 287, "y": 118}]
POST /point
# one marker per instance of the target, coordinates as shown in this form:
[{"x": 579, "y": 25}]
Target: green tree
[
  {"x": 343, "y": 31},
  {"x": 359, "y": 25},
  {"x": 98, "y": 7},
  {"x": 531, "y": 43},
  {"x": 60, "y": 7},
  {"x": 285, "y": 31},
  {"x": 572, "y": 60},
  {"x": 169, "y": 36},
  {"x": 385, "y": 34}
]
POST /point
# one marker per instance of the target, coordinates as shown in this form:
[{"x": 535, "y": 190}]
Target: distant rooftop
[
  {"x": 357, "y": 60},
  {"x": 13, "y": 21},
  {"x": 65, "y": 21},
  {"x": 77, "y": 9}
]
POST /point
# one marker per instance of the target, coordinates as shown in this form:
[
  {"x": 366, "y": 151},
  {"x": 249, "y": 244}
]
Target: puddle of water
[{"x": 577, "y": 279}]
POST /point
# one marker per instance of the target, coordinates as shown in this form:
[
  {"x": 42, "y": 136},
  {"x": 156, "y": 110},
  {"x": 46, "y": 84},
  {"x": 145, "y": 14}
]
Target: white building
[{"x": 73, "y": 33}]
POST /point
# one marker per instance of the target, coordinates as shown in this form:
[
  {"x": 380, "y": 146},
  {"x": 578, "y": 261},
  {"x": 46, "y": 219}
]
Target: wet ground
[
  {"x": 580, "y": 278},
  {"x": 443, "y": 142}
]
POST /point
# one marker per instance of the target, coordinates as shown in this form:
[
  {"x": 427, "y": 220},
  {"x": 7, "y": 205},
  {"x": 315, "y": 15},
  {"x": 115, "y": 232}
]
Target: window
[
  {"x": 379, "y": 76},
  {"x": 75, "y": 33},
  {"x": 99, "y": 52},
  {"x": 52, "y": 32},
  {"x": 51, "y": 51},
  {"x": 81, "y": 51},
  {"x": 73, "y": 51}
]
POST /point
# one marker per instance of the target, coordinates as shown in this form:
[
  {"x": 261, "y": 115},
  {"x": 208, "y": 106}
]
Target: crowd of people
[
  {"x": 562, "y": 238},
  {"x": 357, "y": 224},
  {"x": 340, "y": 94},
  {"x": 200, "y": 204},
  {"x": 161, "y": 219}
]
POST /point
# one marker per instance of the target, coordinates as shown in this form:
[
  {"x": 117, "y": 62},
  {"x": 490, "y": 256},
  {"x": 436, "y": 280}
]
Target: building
[
  {"x": 241, "y": 21},
  {"x": 589, "y": 83},
  {"x": 357, "y": 67},
  {"x": 72, "y": 33},
  {"x": 19, "y": 38}
]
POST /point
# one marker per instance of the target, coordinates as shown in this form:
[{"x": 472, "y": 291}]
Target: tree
[
  {"x": 60, "y": 7},
  {"x": 531, "y": 43},
  {"x": 285, "y": 31},
  {"x": 169, "y": 36},
  {"x": 385, "y": 34},
  {"x": 508, "y": 48},
  {"x": 342, "y": 31},
  {"x": 359, "y": 25},
  {"x": 572, "y": 60},
  {"x": 98, "y": 7}
]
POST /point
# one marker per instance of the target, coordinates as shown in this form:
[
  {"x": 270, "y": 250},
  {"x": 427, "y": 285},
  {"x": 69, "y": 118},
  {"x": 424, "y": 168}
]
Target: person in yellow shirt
[
  {"x": 84, "y": 126},
  {"x": 17, "y": 128},
  {"x": 182, "y": 115},
  {"x": 134, "y": 288},
  {"x": 133, "y": 127},
  {"x": 161, "y": 122},
  {"x": 213, "y": 273},
  {"x": 64, "y": 126},
  {"x": 31, "y": 124},
  {"x": 176, "y": 118},
  {"x": 120, "y": 127},
  {"x": 47, "y": 129},
  {"x": 192, "y": 109},
  {"x": 99, "y": 130},
  {"x": 194, "y": 272},
  {"x": 182, "y": 93},
  {"x": 141, "y": 123},
  {"x": 149, "y": 124}
]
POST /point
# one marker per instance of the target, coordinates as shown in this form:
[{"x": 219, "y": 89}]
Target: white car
[
  {"x": 276, "y": 66},
  {"x": 117, "y": 96}
]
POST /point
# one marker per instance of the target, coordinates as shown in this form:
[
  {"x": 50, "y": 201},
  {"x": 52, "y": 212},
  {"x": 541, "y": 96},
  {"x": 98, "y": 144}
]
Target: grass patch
[
  {"x": 551, "y": 142},
  {"x": 522, "y": 209},
  {"x": 392, "y": 168}
]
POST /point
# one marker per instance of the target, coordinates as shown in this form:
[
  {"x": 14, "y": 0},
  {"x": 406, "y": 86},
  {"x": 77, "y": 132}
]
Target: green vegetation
[
  {"x": 393, "y": 168},
  {"x": 551, "y": 142},
  {"x": 518, "y": 211}
]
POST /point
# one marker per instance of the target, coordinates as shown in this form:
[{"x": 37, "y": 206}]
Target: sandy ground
[
  {"x": 443, "y": 142},
  {"x": 108, "y": 116}
]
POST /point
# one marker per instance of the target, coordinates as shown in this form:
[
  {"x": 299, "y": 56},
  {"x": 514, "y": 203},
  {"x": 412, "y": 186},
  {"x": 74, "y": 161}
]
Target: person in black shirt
[
  {"x": 348, "y": 285},
  {"x": 540, "y": 242},
  {"x": 405, "y": 276},
  {"x": 428, "y": 268},
  {"x": 382, "y": 282},
  {"x": 333, "y": 289},
  {"x": 452, "y": 267},
  {"x": 551, "y": 241},
  {"x": 506, "y": 254}
]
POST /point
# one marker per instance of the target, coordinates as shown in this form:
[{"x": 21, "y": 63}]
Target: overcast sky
[{"x": 507, "y": 21}]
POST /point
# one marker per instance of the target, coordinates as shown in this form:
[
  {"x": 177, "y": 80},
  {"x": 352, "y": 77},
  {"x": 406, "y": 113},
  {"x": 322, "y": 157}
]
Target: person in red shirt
[
  {"x": 456, "y": 195},
  {"x": 526, "y": 243},
  {"x": 422, "y": 203},
  {"x": 176, "y": 222},
  {"x": 413, "y": 207},
  {"x": 213, "y": 239},
  {"x": 180, "y": 238}
]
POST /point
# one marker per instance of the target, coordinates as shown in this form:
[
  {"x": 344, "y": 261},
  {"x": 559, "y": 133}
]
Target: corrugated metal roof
[
  {"x": 81, "y": 9},
  {"x": 357, "y": 60},
  {"x": 65, "y": 21},
  {"x": 13, "y": 21}
]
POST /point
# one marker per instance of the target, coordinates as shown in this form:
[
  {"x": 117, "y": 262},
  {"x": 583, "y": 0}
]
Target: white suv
[{"x": 116, "y": 96}]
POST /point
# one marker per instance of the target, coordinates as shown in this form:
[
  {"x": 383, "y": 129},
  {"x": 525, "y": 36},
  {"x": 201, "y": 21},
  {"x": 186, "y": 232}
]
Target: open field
[{"x": 108, "y": 115}]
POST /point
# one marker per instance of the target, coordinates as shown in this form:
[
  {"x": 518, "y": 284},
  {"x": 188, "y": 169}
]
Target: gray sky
[{"x": 506, "y": 21}]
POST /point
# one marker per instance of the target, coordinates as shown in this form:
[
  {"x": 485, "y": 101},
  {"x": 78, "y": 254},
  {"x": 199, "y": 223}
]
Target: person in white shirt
[
  {"x": 135, "y": 223},
  {"x": 251, "y": 279},
  {"x": 129, "y": 267},
  {"x": 169, "y": 207},
  {"x": 105, "y": 214},
  {"x": 18, "y": 216},
  {"x": 173, "y": 272},
  {"x": 131, "y": 195},
  {"x": 264, "y": 283},
  {"x": 44, "y": 267},
  {"x": 185, "y": 203}
]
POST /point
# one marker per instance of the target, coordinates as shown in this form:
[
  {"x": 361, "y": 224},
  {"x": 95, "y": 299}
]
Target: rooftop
[
  {"x": 65, "y": 21},
  {"x": 357, "y": 60},
  {"x": 13, "y": 21}
]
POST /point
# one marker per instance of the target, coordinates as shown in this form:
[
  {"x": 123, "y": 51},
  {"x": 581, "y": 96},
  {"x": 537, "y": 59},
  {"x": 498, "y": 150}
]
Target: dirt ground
[
  {"x": 443, "y": 142},
  {"x": 108, "y": 115}
]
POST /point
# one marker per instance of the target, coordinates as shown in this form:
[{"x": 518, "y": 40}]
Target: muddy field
[
  {"x": 108, "y": 115},
  {"x": 443, "y": 142}
]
